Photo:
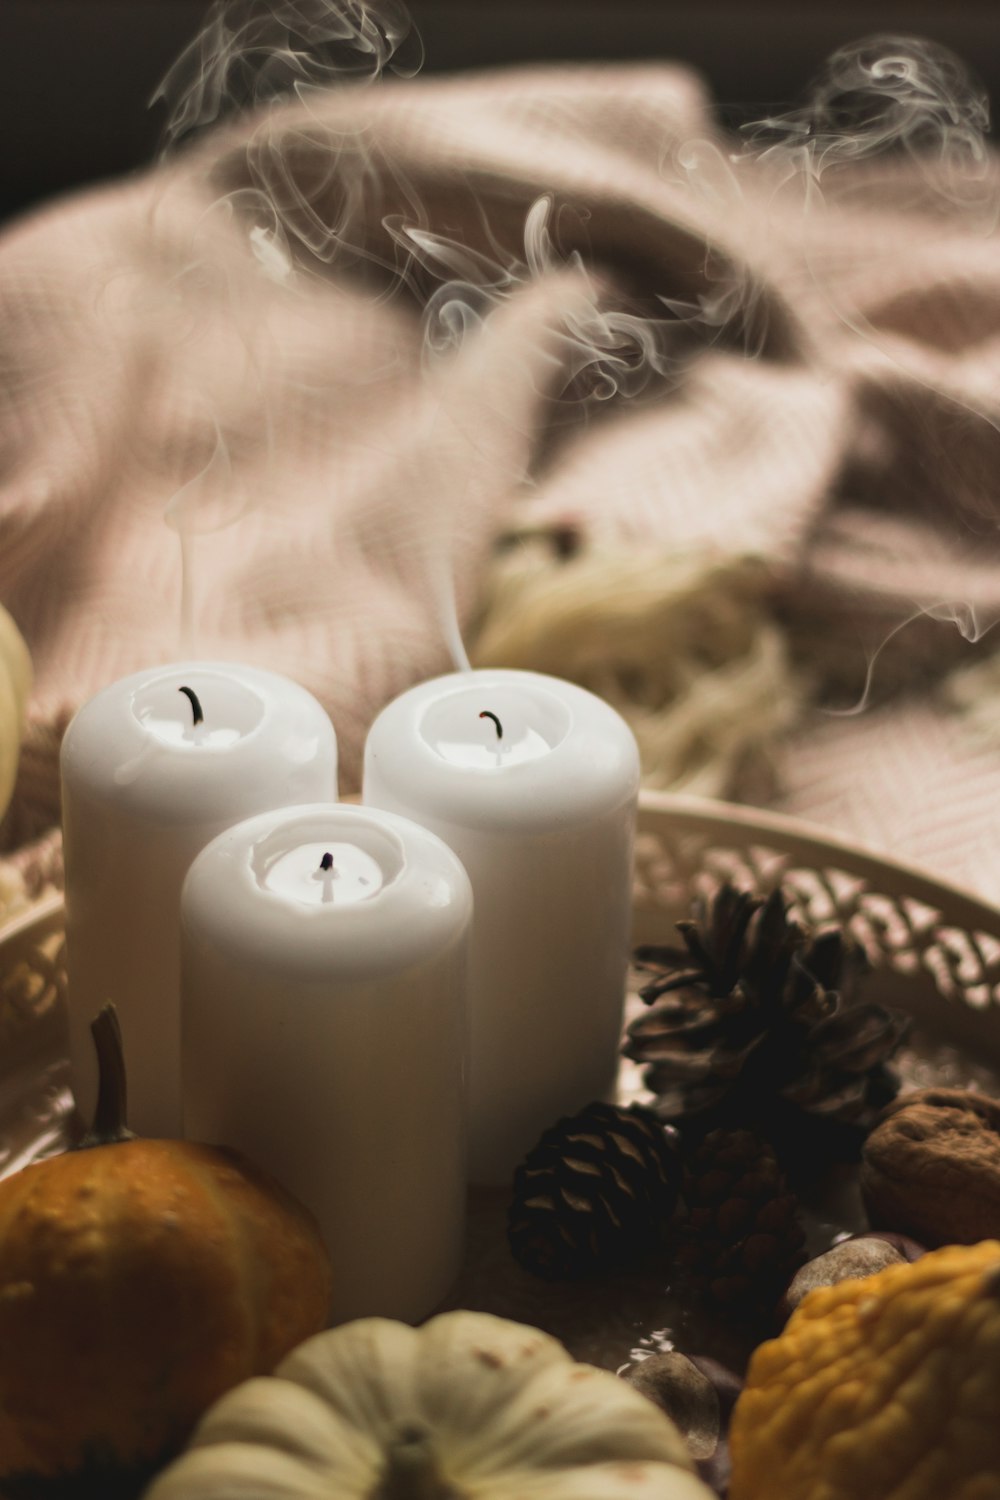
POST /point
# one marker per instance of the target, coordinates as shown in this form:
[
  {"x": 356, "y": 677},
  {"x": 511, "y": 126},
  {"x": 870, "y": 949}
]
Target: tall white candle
[
  {"x": 154, "y": 767},
  {"x": 323, "y": 974},
  {"x": 533, "y": 782}
]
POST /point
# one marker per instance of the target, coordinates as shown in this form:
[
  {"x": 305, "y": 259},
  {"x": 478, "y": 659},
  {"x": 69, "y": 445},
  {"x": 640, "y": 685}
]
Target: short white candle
[
  {"x": 324, "y": 1025},
  {"x": 533, "y": 782},
  {"x": 149, "y": 775}
]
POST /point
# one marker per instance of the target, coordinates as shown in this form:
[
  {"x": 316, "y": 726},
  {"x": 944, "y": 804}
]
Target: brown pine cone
[
  {"x": 757, "y": 1022},
  {"x": 597, "y": 1191},
  {"x": 742, "y": 1240}
]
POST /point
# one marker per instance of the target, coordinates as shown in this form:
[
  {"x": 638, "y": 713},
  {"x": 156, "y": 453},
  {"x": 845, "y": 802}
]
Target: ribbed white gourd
[
  {"x": 15, "y": 685},
  {"x": 468, "y": 1407}
]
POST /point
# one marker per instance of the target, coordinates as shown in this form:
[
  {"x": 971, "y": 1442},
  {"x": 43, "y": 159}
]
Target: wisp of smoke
[
  {"x": 312, "y": 188},
  {"x": 962, "y": 615},
  {"x": 504, "y": 337},
  {"x": 248, "y": 55},
  {"x": 888, "y": 95},
  {"x": 309, "y": 190},
  {"x": 185, "y": 514},
  {"x": 604, "y": 350},
  {"x": 893, "y": 123}
]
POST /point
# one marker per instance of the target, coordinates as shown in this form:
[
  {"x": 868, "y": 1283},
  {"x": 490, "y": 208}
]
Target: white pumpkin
[
  {"x": 15, "y": 685},
  {"x": 468, "y": 1407}
]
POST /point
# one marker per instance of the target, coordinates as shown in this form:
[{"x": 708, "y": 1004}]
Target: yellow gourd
[
  {"x": 468, "y": 1407},
  {"x": 885, "y": 1388},
  {"x": 15, "y": 685}
]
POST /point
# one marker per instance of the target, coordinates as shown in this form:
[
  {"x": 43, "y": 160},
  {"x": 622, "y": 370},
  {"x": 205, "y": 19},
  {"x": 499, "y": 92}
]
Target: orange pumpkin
[{"x": 139, "y": 1280}]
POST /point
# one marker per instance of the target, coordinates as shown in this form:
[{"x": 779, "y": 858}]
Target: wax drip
[
  {"x": 192, "y": 697},
  {"x": 487, "y": 715}
]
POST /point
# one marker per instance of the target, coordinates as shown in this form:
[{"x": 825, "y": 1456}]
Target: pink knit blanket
[{"x": 323, "y": 353}]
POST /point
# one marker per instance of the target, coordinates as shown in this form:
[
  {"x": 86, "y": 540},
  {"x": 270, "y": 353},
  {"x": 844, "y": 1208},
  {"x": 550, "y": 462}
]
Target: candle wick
[
  {"x": 192, "y": 698},
  {"x": 327, "y": 874},
  {"x": 487, "y": 715}
]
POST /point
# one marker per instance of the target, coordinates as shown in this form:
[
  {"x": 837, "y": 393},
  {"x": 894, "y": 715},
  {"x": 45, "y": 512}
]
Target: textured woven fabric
[{"x": 219, "y": 358}]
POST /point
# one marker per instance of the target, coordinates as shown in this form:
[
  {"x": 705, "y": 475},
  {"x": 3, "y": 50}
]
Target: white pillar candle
[
  {"x": 533, "y": 782},
  {"x": 324, "y": 1026},
  {"x": 154, "y": 767}
]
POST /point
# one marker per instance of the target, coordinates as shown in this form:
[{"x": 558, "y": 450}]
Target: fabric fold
[{"x": 277, "y": 398}]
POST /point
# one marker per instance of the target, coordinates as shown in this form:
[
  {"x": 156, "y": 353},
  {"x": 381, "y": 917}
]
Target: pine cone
[
  {"x": 759, "y": 1023},
  {"x": 742, "y": 1240},
  {"x": 597, "y": 1191}
]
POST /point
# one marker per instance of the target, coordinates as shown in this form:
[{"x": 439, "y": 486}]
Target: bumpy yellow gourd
[
  {"x": 468, "y": 1407},
  {"x": 15, "y": 685},
  {"x": 887, "y": 1388}
]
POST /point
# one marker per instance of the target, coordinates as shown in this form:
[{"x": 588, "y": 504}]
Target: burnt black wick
[
  {"x": 487, "y": 715},
  {"x": 192, "y": 698},
  {"x": 326, "y": 863}
]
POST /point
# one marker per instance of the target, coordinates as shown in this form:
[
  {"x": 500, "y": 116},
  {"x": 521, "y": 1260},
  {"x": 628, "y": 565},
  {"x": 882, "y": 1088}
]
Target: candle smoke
[
  {"x": 519, "y": 318},
  {"x": 889, "y": 95},
  {"x": 314, "y": 192},
  {"x": 249, "y": 55},
  {"x": 248, "y": 60},
  {"x": 902, "y": 121}
]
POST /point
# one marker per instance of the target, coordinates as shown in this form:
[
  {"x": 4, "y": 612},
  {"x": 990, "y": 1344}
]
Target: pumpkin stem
[
  {"x": 411, "y": 1469},
  {"x": 112, "y": 1095}
]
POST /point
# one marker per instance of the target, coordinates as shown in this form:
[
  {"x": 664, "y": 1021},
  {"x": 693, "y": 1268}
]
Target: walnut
[{"x": 931, "y": 1167}]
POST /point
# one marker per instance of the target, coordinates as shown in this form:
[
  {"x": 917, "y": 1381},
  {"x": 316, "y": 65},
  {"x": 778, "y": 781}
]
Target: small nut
[
  {"x": 673, "y": 1384},
  {"x": 931, "y": 1168},
  {"x": 848, "y": 1261},
  {"x": 697, "y": 1394},
  {"x": 726, "y": 1383},
  {"x": 909, "y": 1249}
]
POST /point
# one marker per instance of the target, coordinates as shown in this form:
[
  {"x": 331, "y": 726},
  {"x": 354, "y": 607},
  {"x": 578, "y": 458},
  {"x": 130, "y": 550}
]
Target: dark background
[{"x": 77, "y": 74}]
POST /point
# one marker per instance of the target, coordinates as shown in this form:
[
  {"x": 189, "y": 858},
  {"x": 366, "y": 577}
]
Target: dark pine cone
[
  {"x": 742, "y": 1240},
  {"x": 596, "y": 1192},
  {"x": 757, "y": 1022}
]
